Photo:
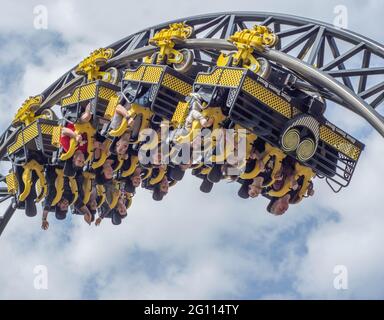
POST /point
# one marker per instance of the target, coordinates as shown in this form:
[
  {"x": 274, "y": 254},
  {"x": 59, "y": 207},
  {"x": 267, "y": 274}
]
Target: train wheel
[
  {"x": 49, "y": 114},
  {"x": 185, "y": 65},
  {"x": 306, "y": 149},
  {"x": 112, "y": 76},
  {"x": 265, "y": 68},
  {"x": 290, "y": 140}
]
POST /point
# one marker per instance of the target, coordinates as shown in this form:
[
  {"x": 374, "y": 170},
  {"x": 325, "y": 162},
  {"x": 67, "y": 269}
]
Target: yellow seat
[
  {"x": 87, "y": 186},
  {"x": 148, "y": 174},
  {"x": 134, "y": 111},
  {"x": 100, "y": 190},
  {"x": 269, "y": 152},
  {"x": 307, "y": 174},
  {"x": 74, "y": 189},
  {"x": 111, "y": 107},
  {"x": 59, "y": 186},
  {"x": 120, "y": 162},
  {"x": 132, "y": 167},
  {"x": 300, "y": 170},
  {"x": 103, "y": 157},
  {"x": 155, "y": 180},
  {"x": 115, "y": 195},
  {"x": 29, "y": 168},
  {"x": 206, "y": 170},
  {"x": 41, "y": 191}
]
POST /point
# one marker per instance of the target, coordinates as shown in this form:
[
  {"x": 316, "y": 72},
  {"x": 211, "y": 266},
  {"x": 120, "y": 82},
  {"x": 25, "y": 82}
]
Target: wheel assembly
[
  {"x": 112, "y": 76},
  {"x": 264, "y": 68},
  {"x": 290, "y": 140},
  {"x": 186, "y": 62},
  {"x": 306, "y": 149}
]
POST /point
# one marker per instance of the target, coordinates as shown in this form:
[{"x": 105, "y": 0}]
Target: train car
[{"x": 283, "y": 116}]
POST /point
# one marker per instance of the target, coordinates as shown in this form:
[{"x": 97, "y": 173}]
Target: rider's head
[
  {"x": 279, "y": 206},
  {"x": 78, "y": 159}
]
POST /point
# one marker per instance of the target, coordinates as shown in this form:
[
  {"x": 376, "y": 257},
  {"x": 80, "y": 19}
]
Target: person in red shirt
[{"x": 68, "y": 132}]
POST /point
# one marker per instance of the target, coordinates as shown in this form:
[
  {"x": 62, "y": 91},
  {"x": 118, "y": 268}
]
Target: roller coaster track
[{"x": 345, "y": 67}]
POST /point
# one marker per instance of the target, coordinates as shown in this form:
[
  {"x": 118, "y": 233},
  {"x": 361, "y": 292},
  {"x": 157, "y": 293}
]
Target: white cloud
[{"x": 355, "y": 240}]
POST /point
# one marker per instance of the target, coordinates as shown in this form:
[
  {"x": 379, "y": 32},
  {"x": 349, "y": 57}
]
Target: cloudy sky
[{"x": 191, "y": 245}]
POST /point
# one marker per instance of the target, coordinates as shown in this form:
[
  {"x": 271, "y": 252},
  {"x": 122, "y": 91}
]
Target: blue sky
[{"x": 190, "y": 245}]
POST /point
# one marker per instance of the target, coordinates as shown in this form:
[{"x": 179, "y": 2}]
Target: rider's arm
[{"x": 68, "y": 133}]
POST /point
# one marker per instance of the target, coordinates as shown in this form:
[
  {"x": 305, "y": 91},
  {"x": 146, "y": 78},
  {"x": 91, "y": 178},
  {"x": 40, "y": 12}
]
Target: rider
[
  {"x": 61, "y": 207},
  {"x": 68, "y": 133}
]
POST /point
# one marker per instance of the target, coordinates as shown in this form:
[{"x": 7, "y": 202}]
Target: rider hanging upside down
[
  {"x": 195, "y": 113},
  {"x": 119, "y": 148},
  {"x": 68, "y": 133},
  {"x": 121, "y": 112},
  {"x": 60, "y": 194},
  {"x": 104, "y": 174},
  {"x": 160, "y": 189},
  {"x": 133, "y": 181},
  {"x": 266, "y": 162},
  {"x": 110, "y": 207},
  {"x": 298, "y": 183}
]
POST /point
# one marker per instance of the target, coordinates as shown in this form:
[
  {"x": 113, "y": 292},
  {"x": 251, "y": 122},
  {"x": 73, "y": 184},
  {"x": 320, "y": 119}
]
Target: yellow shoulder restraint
[
  {"x": 59, "y": 186},
  {"x": 155, "y": 180},
  {"x": 40, "y": 191},
  {"x": 132, "y": 167},
  {"x": 300, "y": 170},
  {"x": 120, "y": 162},
  {"x": 250, "y": 138},
  {"x": 29, "y": 167},
  {"x": 135, "y": 110},
  {"x": 206, "y": 170},
  {"x": 308, "y": 175},
  {"x": 270, "y": 151},
  {"x": 279, "y": 157},
  {"x": 191, "y": 134},
  {"x": 130, "y": 199},
  {"x": 115, "y": 195},
  {"x": 100, "y": 190},
  {"x": 104, "y": 155},
  {"x": 87, "y": 186},
  {"x": 147, "y": 174},
  {"x": 74, "y": 189}
]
